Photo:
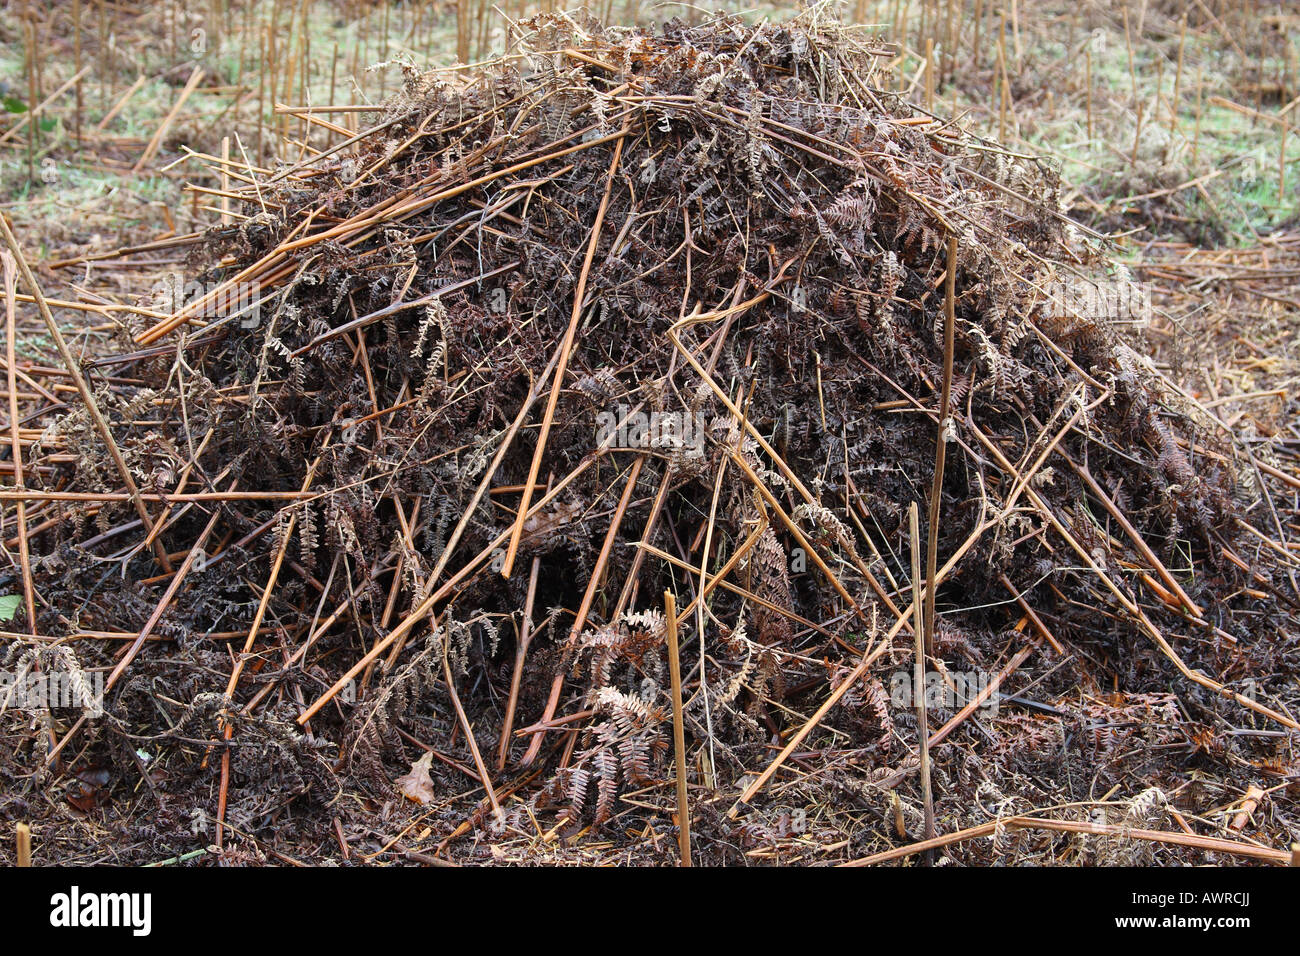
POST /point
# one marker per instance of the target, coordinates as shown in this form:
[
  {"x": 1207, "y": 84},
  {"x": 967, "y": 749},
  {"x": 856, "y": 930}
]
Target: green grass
[{"x": 1107, "y": 168}]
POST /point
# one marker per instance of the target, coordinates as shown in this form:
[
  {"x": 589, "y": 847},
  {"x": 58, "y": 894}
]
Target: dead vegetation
[{"x": 623, "y": 313}]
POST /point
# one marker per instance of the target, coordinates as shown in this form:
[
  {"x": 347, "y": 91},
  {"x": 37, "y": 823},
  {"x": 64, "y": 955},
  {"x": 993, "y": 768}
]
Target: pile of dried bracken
[{"x": 623, "y": 313}]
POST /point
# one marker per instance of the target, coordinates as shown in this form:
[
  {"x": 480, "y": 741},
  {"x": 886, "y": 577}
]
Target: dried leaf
[{"x": 418, "y": 785}]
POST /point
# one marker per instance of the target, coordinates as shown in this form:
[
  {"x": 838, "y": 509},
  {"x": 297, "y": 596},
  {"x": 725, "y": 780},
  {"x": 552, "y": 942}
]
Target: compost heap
[{"x": 756, "y": 239}]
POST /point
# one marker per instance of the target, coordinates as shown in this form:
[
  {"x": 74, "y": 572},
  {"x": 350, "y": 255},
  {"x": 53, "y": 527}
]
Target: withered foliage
[{"x": 786, "y": 221}]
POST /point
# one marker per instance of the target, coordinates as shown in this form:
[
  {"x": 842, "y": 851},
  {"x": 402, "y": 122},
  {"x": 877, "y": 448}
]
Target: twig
[
  {"x": 159, "y": 133},
  {"x": 40, "y": 107},
  {"x": 1208, "y": 844},
  {"x": 679, "y": 736},
  {"x": 418, "y": 613},
  {"x": 589, "y": 595},
  {"x": 469, "y": 736},
  {"x": 517, "y": 675},
  {"x": 74, "y": 372},
  {"x": 24, "y": 837},
  {"x": 940, "y": 449},
  {"x": 918, "y": 670},
  {"x": 565, "y": 347},
  {"x": 11, "y": 363}
]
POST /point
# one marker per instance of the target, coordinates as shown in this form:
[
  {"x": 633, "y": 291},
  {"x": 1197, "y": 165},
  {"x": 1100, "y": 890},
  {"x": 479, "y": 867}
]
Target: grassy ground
[{"x": 1159, "y": 124}]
